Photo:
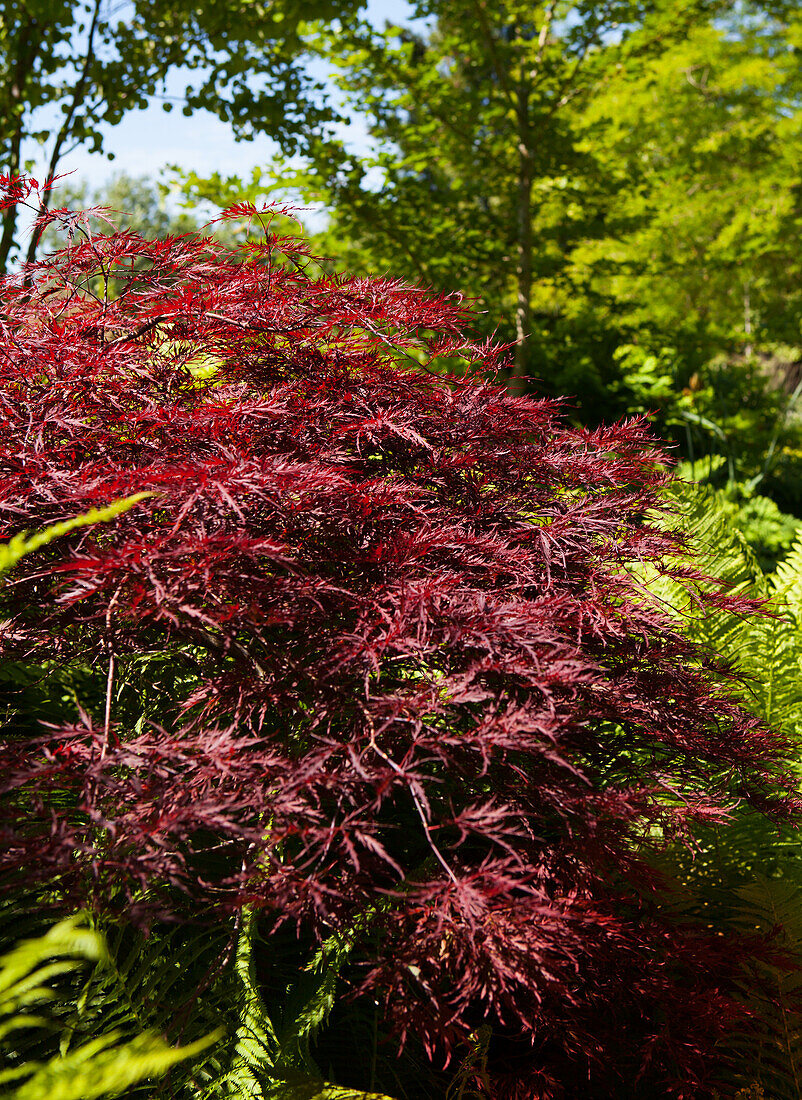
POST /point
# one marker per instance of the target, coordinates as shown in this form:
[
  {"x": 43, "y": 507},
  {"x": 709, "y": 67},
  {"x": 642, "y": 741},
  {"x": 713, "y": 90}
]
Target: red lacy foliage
[{"x": 393, "y": 671}]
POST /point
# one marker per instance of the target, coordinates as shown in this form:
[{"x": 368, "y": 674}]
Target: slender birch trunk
[
  {"x": 28, "y": 47},
  {"x": 523, "y": 270}
]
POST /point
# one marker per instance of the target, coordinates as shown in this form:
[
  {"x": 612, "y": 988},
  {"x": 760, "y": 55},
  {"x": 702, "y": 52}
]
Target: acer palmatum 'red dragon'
[{"x": 370, "y": 657}]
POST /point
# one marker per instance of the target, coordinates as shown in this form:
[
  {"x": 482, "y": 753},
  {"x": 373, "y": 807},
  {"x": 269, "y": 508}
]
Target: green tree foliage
[
  {"x": 145, "y": 205},
  {"x": 701, "y": 150},
  {"x": 615, "y": 185},
  {"x": 479, "y": 149},
  {"x": 67, "y": 69},
  {"x": 143, "y": 202}
]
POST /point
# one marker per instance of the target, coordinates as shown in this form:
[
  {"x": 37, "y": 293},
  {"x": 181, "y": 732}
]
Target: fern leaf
[
  {"x": 105, "y": 1067},
  {"x": 107, "y": 1064},
  {"x": 22, "y": 544},
  {"x": 256, "y": 1044}
]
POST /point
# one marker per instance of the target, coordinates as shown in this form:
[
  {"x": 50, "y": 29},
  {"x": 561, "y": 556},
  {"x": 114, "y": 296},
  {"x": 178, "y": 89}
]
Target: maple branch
[{"x": 418, "y": 804}]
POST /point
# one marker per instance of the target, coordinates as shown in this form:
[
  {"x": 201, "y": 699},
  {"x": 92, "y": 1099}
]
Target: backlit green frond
[
  {"x": 765, "y": 650},
  {"x": 37, "y": 984},
  {"x": 23, "y": 543},
  {"x": 271, "y": 1055}
]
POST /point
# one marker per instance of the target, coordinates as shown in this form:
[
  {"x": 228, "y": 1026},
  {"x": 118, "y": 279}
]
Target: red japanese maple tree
[{"x": 371, "y": 657}]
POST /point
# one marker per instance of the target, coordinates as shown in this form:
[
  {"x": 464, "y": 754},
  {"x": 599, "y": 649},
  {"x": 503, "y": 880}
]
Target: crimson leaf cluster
[{"x": 371, "y": 659}]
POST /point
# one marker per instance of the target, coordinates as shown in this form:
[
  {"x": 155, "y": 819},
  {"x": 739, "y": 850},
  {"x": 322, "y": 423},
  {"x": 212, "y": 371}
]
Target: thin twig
[
  {"x": 416, "y": 799},
  {"x": 137, "y": 332},
  {"x": 110, "y": 676}
]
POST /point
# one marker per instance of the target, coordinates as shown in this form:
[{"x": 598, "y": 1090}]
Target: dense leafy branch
[{"x": 372, "y": 661}]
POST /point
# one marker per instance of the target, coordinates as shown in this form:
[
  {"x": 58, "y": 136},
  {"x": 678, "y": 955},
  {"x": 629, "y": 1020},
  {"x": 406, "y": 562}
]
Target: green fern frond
[
  {"x": 31, "y": 1017},
  {"x": 764, "y": 650},
  {"x": 26, "y": 972},
  {"x": 255, "y": 1043},
  {"x": 271, "y": 1056},
  {"x": 311, "y": 998},
  {"x": 104, "y": 1067},
  {"x": 313, "y": 1090},
  {"x": 23, "y": 543},
  {"x": 787, "y": 578},
  {"x": 771, "y": 1045},
  {"x": 746, "y": 877}
]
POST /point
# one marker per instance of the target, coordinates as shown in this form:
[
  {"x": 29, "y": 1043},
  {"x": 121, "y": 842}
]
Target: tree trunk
[
  {"x": 10, "y": 213},
  {"x": 523, "y": 270},
  {"x": 28, "y": 47},
  {"x": 748, "y": 320},
  {"x": 78, "y": 95},
  {"x": 523, "y": 210},
  {"x": 523, "y": 233}
]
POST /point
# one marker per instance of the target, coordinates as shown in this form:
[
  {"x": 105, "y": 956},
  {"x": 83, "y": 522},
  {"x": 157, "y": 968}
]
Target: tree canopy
[{"x": 67, "y": 69}]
